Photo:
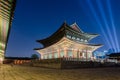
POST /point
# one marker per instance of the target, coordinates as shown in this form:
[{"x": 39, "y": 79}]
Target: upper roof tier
[{"x": 72, "y": 32}]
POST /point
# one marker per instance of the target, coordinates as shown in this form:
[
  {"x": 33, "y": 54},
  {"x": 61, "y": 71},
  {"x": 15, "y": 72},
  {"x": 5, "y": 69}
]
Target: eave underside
[{"x": 66, "y": 43}]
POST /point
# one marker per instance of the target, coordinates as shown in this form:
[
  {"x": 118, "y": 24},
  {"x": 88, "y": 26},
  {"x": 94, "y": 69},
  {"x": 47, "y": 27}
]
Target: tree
[{"x": 34, "y": 56}]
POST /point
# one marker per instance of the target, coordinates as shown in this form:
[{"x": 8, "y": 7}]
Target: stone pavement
[{"x": 15, "y": 72}]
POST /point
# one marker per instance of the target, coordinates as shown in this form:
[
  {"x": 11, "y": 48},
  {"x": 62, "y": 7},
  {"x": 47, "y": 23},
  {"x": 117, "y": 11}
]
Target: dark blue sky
[{"x": 38, "y": 19}]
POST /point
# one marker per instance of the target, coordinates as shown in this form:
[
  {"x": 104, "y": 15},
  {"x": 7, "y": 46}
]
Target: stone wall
[{"x": 61, "y": 63}]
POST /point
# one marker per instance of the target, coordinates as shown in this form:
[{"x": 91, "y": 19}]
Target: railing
[
  {"x": 77, "y": 59},
  {"x": 74, "y": 63}
]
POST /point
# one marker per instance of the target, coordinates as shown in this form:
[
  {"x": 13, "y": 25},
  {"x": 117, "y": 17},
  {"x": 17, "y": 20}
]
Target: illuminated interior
[{"x": 6, "y": 16}]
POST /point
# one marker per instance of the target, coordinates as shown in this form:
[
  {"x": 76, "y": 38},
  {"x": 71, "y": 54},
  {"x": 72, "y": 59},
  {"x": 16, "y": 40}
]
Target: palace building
[
  {"x": 6, "y": 16},
  {"x": 68, "y": 42}
]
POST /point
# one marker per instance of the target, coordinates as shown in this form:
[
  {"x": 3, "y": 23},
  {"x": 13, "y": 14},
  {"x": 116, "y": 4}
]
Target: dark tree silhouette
[{"x": 34, "y": 56}]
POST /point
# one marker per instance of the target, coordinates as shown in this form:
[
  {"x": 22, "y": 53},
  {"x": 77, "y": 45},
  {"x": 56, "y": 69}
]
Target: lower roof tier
[{"x": 66, "y": 43}]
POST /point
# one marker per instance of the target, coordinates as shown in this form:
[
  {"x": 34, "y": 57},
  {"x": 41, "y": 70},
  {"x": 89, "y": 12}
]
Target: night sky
[{"x": 38, "y": 19}]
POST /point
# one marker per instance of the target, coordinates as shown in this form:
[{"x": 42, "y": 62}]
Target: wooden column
[
  {"x": 47, "y": 55},
  {"x": 58, "y": 51},
  {"x": 82, "y": 54},
  {"x": 86, "y": 55},
  {"x": 78, "y": 54},
  {"x": 73, "y": 55},
  {"x": 65, "y": 52},
  {"x": 52, "y": 53},
  {"x": 41, "y": 53},
  {"x": 41, "y": 56}
]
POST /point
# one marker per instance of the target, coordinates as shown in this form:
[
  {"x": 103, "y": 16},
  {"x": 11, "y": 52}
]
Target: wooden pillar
[
  {"x": 65, "y": 52},
  {"x": 77, "y": 53},
  {"x": 47, "y": 55},
  {"x": 81, "y": 55},
  {"x": 93, "y": 56},
  {"x": 73, "y": 55},
  {"x": 58, "y": 51},
  {"x": 42, "y": 56},
  {"x": 52, "y": 53}
]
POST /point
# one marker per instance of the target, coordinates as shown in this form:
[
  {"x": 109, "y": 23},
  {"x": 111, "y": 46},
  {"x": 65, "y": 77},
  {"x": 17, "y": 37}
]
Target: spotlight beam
[
  {"x": 105, "y": 22},
  {"x": 113, "y": 26},
  {"x": 98, "y": 21}
]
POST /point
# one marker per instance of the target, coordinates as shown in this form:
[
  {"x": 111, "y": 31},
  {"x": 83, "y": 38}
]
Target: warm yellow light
[
  {"x": 1, "y": 44},
  {"x": 1, "y": 60},
  {"x": 1, "y": 51}
]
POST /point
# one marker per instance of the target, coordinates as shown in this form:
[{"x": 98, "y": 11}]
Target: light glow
[
  {"x": 1, "y": 44},
  {"x": 1, "y": 51},
  {"x": 99, "y": 23},
  {"x": 110, "y": 36},
  {"x": 113, "y": 26},
  {"x": 107, "y": 27}
]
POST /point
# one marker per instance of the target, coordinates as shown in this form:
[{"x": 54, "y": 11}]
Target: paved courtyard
[{"x": 7, "y": 72}]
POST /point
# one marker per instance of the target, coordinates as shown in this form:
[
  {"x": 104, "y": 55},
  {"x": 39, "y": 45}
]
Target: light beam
[
  {"x": 106, "y": 23},
  {"x": 98, "y": 21},
  {"x": 113, "y": 26}
]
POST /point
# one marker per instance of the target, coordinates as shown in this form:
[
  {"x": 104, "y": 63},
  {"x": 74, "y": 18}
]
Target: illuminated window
[
  {"x": 78, "y": 39},
  {"x": 61, "y": 53},
  {"x": 50, "y": 56},
  {"x": 68, "y": 36},
  {"x": 69, "y": 53},
  {"x": 89, "y": 55},
  {"x": 73, "y": 37},
  {"x": 55, "y": 55},
  {"x": 84, "y": 55},
  {"x": 85, "y": 40},
  {"x": 81, "y": 40},
  {"x": 45, "y": 56}
]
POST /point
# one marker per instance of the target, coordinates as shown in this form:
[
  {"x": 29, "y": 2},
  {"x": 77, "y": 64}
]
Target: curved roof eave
[{"x": 94, "y": 45}]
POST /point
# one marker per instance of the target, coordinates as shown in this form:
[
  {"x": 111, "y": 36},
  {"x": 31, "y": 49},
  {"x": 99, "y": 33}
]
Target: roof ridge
[{"x": 76, "y": 27}]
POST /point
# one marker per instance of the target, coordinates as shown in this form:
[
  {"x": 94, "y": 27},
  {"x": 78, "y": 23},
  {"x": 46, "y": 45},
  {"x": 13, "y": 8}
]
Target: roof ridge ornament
[{"x": 76, "y": 27}]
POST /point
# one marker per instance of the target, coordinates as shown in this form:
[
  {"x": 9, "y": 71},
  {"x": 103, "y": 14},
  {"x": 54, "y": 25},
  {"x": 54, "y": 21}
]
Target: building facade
[
  {"x": 69, "y": 42},
  {"x": 6, "y": 15}
]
